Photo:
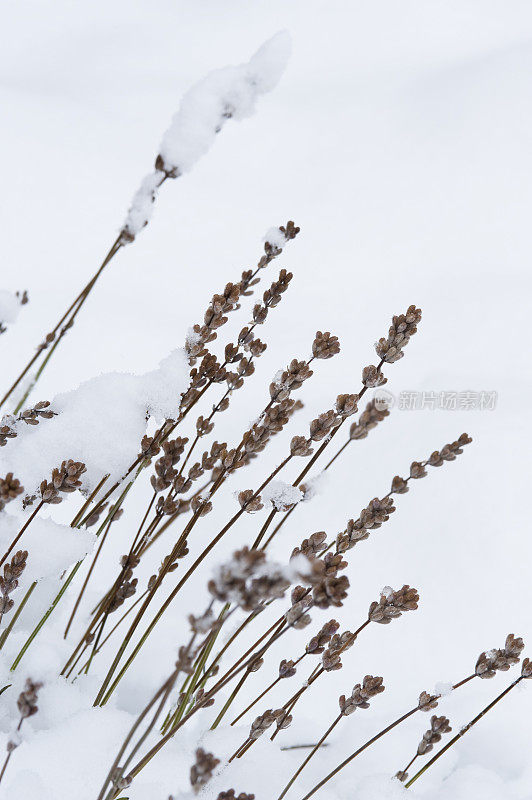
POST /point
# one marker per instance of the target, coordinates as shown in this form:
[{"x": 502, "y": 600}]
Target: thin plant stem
[
  {"x": 113, "y": 629},
  {"x": 360, "y": 750},
  {"x": 138, "y": 722},
  {"x": 17, "y": 614},
  {"x": 309, "y": 465},
  {"x": 229, "y": 700},
  {"x": 375, "y": 738},
  {"x": 88, "y": 501},
  {"x": 21, "y": 531},
  {"x": 206, "y": 697},
  {"x": 54, "y": 604},
  {"x": 103, "y": 698},
  {"x": 263, "y": 693},
  {"x": 10, "y": 752},
  {"x": 310, "y": 755},
  {"x": 317, "y": 672},
  {"x": 72, "y": 310},
  {"x": 292, "y": 509},
  {"x": 86, "y": 581}
]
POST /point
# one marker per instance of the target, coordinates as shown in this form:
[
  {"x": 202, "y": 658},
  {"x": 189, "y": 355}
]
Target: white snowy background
[{"x": 399, "y": 140}]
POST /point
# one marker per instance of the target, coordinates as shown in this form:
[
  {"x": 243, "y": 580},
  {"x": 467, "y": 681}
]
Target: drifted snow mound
[{"x": 101, "y": 423}]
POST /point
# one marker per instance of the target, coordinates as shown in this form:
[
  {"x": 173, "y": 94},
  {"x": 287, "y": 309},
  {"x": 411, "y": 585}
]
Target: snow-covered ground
[{"x": 399, "y": 140}]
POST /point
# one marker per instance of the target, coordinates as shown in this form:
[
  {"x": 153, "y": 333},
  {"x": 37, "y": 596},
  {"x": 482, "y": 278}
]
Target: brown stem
[
  {"x": 263, "y": 693},
  {"x": 309, "y": 465},
  {"x": 463, "y": 731},
  {"x": 133, "y": 730},
  {"x": 10, "y": 752},
  {"x": 21, "y": 531},
  {"x": 80, "y": 299},
  {"x": 113, "y": 629},
  {"x": 360, "y": 750},
  {"x": 101, "y": 699},
  {"x": 205, "y": 699},
  {"x": 319, "y": 671},
  {"x": 87, "y": 579},
  {"x": 314, "y": 750},
  {"x": 373, "y": 739}
]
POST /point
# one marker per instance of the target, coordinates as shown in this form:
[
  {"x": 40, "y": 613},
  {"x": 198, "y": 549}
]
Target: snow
[
  {"x": 399, "y": 140},
  {"x": 443, "y": 689},
  {"x": 101, "y": 423},
  {"x": 228, "y": 93},
  {"x": 281, "y": 495},
  {"x": 275, "y": 237},
  {"x": 9, "y": 306},
  {"x": 315, "y": 486},
  {"x": 51, "y": 547},
  {"x": 143, "y": 203}
]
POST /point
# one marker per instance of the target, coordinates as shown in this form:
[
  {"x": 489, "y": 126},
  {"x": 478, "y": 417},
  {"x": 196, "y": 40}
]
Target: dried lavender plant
[
  {"x": 184, "y": 482},
  {"x": 438, "y": 726},
  {"x": 487, "y": 664},
  {"x": 526, "y": 674},
  {"x": 9, "y": 581},
  {"x": 359, "y": 698},
  {"x": 27, "y": 706},
  {"x": 212, "y": 104}
]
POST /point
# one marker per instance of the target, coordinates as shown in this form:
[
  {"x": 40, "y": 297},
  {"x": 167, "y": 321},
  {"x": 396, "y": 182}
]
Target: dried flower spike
[
  {"x": 393, "y": 604},
  {"x": 499, "y": 659},
  {"x": 202, "y": 769},
  {"x": 402, "y": 328},
  {"x": 361, "y": 695},
  {"x": 369, "y": 419},
  {"x": 438, "y": 726}
]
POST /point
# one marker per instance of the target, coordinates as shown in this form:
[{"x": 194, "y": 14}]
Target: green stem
[
  {"x": 17, "y": 614},
  {"x": 53, "y": 605}
]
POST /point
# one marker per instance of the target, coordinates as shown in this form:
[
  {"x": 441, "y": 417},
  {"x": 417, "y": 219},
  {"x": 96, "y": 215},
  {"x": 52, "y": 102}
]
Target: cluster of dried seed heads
[
  {"x": 10, "y": 488},
  {"x": 340, "y": 642},
  {"x": 403, "y": 327},
  {"x": 499, "y": 659},
  {"x": 27, "y": 699},
  {"x": 317, "y": 644},
  {"x": 30, "y": 416},
  {"x": 65, "y": 479},
  {"x": 361, "y": 695},
  {"x": 372, "y": 517},
  {"x": 418, "y": 470},
  {"x": 369, "y": 419},
  {"x": 264, "y": 721},
  {"x": 393, "y": 604},
  {"x": 202, "y": 769},
  {"x": 9, "y": 581},
  {"x": 248, "y": 580},
  {"x": 438, "y": 726}
]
